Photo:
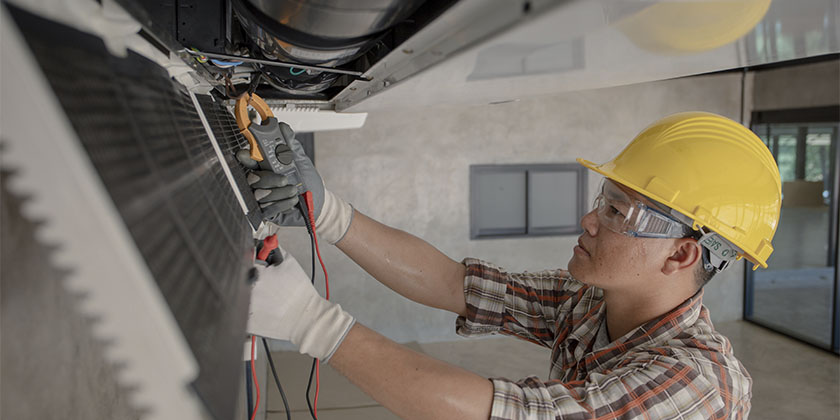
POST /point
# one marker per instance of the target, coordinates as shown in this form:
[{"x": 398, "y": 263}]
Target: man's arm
[
  {"x": 286, "y": 306},
  {"x": 410, "y": 384},
  {"x": 406, "y": 264},
  {"x": 415, "y": 386}
]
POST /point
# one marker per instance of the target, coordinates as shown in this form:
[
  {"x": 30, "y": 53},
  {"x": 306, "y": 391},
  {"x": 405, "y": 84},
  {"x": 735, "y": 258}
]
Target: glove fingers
[
  {"x": 271, "y": 209},
  {"x": 291, "y": 218},
  {"x": 276, "y": 194},
  {"x": 266, "y": 180},
  {"x": 283, "y": 214},
  {"x": 244, "y": 157}
]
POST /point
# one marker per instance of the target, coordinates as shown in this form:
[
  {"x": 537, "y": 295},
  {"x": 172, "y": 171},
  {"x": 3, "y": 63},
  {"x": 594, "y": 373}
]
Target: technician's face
[{"x": 614, "y": 261}]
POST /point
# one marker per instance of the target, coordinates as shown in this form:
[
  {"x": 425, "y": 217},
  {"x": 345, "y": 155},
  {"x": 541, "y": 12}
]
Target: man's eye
[{"x": 614, "y": 211}]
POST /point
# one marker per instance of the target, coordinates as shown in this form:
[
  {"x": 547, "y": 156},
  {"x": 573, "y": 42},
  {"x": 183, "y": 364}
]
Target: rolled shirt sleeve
[{"x": 526, "y": 305}]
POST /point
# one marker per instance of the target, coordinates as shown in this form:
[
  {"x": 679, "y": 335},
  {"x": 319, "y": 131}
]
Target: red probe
[{"x": 269, "y": 244}]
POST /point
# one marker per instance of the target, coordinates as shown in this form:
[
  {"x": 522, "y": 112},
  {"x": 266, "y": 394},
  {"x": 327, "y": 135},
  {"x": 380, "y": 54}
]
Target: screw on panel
[{"x": 408, "y": 51}]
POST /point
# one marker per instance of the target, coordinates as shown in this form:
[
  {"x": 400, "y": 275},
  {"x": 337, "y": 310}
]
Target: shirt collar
[
  {"x": 657, "y": 330},
  {"x": 666, "y": 326}
]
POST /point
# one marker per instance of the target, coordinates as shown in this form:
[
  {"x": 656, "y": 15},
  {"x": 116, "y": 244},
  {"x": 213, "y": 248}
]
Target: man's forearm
[
  {"x": 406, "y": 264},
  {"x": 412, "y": 385}
]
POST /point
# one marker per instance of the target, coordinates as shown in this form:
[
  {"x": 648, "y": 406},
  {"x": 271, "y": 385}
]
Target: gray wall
[
  {"x": 803, "y": 86},
  {"x": 409, "y": 169}
]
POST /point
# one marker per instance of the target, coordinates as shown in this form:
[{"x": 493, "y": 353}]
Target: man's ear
[{"x": 686, "y": 252}]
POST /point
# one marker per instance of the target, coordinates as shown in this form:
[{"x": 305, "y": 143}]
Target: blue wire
[
  {"x": 225, "y": 63},
  {"x": 292, "y": 70}
]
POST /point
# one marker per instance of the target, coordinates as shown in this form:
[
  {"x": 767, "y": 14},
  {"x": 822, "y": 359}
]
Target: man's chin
[
  {"x": 581, "y": 277},
  {"x": 574, "y": 269}
]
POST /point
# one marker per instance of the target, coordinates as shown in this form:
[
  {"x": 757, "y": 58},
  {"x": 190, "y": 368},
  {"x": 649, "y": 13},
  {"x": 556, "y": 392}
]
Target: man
[{"x": 628, "y": 332}]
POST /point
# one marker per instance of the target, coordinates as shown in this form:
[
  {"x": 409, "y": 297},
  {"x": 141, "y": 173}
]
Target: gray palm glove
[{"x": 278, "y": 199}]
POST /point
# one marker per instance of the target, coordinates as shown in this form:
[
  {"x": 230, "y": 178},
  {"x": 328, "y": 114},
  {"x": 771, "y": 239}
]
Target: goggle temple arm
[{"x": 654, "y": 223}]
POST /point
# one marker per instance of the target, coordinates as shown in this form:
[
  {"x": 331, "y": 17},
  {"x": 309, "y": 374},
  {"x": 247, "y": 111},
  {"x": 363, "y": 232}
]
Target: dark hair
[{"x": 701, "y": 275}]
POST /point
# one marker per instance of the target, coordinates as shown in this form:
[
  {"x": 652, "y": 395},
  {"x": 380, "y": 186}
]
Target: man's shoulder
[
  {"x": 708, "y": 354},
  {"x": 555, "y": 274},
  {"x": 698, "y": 343},
  {"x": 559, "y": 276},
  {"x": 711, "y": 370},
  {"x": 695, "y": 350},
  {"x": 562, "y": 282}
]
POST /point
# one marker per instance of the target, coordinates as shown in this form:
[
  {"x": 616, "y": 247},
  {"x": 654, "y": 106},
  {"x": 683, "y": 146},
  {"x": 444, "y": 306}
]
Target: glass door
[{"x": 797, "y": 294}]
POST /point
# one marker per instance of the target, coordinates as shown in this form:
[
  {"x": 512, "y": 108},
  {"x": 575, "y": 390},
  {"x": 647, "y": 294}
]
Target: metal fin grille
[
  {"x": 147, "y": 143},
  {"x": 230, "y": 140}
]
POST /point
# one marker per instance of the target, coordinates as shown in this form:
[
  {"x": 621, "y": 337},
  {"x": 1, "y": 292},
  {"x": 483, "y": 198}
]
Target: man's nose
[{"x": 589, "y": 222}]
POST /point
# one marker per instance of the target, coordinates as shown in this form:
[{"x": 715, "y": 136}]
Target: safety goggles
[{"x": 620, "y": 213}]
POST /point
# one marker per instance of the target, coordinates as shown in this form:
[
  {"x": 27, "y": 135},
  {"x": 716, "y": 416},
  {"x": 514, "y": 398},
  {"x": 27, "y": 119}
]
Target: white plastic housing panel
[{"x": 486, "y": 51}]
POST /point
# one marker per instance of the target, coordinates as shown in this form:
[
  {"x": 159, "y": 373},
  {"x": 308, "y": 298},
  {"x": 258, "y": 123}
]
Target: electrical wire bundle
[
  {"x": 251, "y": 375},
  {"x": 315, "y": 370},
  {"x": 313, "y": 239},
  {"x": 251, "y": 369}
]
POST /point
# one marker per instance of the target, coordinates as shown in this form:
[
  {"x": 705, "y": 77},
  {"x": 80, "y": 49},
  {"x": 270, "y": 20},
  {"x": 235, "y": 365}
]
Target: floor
[
  {"x": 796, "y": 300},
  {"x": 791, "y": 380}
]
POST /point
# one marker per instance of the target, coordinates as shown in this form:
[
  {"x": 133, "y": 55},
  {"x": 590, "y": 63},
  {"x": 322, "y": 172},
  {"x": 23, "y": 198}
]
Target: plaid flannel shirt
[{"x": 673, "y": 367}]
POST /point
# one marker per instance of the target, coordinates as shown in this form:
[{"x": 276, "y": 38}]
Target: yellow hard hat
[{"x": 710, "y": 169}]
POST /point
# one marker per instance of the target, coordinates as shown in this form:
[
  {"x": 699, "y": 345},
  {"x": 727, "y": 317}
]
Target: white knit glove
[
  {"x": 335, "y": 218},
  {"x": 285, "y": 306}
]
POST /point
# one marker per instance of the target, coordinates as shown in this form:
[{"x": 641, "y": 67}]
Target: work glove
[
  {"x": 278, "y": 199},
  {"x": 286, "y": 306}
]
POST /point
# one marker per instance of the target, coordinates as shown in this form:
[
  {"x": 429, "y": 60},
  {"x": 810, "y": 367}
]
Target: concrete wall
[
  {"x": 409, "y": 169},
  {"x": 803, "y": 86}
]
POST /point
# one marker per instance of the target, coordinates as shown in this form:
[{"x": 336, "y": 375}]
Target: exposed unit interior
[{"x": 289, "y": 50}]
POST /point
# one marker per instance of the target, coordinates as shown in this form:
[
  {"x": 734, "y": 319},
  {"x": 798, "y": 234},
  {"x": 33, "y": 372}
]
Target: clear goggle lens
[{"x": 620, "y": 213}]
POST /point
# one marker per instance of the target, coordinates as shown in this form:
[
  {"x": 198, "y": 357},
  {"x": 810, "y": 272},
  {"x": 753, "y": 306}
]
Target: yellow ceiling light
[{"x": 692, "y": 26}]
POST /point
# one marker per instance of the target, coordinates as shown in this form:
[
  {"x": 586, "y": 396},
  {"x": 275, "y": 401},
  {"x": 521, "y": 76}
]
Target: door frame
[{"x": 826, "y": 114}]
